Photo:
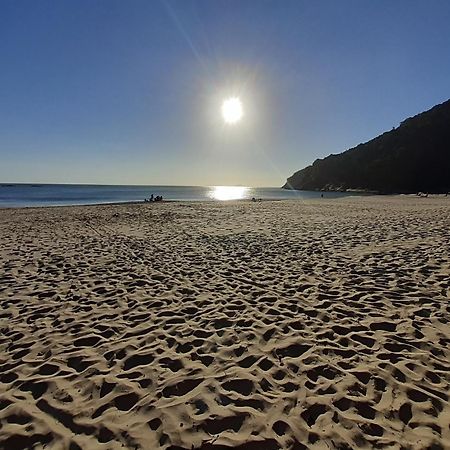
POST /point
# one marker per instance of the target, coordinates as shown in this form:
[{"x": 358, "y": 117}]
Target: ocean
[{"x": 21, "y": 195}]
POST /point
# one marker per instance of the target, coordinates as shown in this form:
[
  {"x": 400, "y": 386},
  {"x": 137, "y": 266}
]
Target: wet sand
[{"x": 319, "y": 324}]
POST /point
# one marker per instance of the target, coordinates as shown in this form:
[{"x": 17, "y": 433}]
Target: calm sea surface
[{"x": 18, "y": 195}]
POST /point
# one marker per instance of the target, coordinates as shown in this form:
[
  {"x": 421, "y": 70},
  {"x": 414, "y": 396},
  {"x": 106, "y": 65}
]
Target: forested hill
[{"x": 411, "y": 158}]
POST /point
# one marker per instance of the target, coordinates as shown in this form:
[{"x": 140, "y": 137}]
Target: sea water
[{"x": 20, "y": 195}]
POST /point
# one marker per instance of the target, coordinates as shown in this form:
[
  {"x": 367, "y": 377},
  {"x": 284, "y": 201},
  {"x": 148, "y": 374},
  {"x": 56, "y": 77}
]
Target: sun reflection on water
[{"x": 228, "y": 192}]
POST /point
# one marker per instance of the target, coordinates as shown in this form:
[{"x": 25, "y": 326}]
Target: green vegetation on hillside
[{"x": 411, "y": 158}]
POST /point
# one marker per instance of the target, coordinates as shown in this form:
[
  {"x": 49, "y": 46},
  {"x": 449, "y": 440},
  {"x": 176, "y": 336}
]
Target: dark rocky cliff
[{"x": 411, "y": 158}]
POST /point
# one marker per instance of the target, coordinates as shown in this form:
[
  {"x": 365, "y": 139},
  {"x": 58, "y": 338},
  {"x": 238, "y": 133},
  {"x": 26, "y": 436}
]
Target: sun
[{"x": 232, "y": 110}]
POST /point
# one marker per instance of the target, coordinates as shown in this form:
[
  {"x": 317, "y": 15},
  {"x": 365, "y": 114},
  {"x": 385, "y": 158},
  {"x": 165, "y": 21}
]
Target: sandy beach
[{"x": 320, "y": 324}]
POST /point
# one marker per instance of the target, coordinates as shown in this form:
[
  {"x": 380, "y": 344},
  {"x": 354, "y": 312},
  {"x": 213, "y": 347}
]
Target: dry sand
[{"x": 319, "y": 324}]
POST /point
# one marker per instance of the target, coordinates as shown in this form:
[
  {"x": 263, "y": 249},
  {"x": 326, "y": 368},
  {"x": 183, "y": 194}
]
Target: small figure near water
[{"x": 152, "y": 198}]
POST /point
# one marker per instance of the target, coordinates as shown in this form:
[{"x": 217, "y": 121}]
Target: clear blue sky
[{"x": 129, "y": 92}]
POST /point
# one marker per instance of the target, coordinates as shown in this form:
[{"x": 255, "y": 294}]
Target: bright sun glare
[
  {"x": 228, "y": 192},
  {"x": 232, "y": 111}
]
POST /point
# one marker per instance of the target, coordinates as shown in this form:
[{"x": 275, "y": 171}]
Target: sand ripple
[{"x": 297, "y": 325}]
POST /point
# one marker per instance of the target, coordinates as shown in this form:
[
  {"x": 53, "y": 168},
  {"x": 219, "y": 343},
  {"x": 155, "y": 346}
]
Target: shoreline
[
  {"x": 212, "y": 201},
  {"x": 55, "y": 195}
]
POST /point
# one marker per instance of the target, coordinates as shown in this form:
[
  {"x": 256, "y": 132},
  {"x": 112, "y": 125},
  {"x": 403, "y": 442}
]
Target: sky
[{"x": 130, "y": 92}]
